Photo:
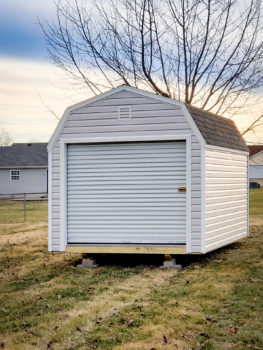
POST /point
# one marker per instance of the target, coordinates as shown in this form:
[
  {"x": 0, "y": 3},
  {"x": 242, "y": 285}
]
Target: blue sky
[
  {"x": 21, "y": 35},
  {"x": 30, "y": 85}
]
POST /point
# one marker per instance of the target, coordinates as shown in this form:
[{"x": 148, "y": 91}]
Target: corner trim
[
  {"x": 203, "y": 199},
  {"x": 50, "y": 199},
  {"x": 63, "y": 195}
]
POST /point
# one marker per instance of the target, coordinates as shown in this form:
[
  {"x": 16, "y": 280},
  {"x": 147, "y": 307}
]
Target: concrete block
[
  {"x": 168, "y": 264},
  {"x": 88, "y": 263}
]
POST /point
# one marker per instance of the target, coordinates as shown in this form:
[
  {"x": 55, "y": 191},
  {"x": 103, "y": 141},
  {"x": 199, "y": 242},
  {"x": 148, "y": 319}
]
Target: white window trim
[
  {"x": 17, "y": 170},
  {"x": 63, "y": 176}
]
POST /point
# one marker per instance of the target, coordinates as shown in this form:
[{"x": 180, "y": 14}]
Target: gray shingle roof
[
  {"x": 217, "y": 130},
  {"x": 24, "y": 154}
]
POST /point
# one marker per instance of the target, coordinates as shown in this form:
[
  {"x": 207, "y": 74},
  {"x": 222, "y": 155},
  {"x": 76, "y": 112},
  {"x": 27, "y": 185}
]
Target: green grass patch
[{"x": 256, "y": 202}]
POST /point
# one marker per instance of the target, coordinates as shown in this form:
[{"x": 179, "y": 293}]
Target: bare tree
[
  {"x": 207, "y": 53},
  {"x": 5, "y": 138}
]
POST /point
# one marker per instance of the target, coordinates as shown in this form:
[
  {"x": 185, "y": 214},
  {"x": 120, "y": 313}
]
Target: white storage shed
[{"x": 134, "y": 172}]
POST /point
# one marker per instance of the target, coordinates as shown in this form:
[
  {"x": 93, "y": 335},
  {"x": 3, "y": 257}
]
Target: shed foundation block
[
  {"x": 88, "y": 262},
  {"x": 169, "y": 263}
]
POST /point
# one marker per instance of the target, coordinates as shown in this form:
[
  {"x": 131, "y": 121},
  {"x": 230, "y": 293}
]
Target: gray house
[
  {"x": 256, "y": 164},
  {"x": 23, "y": 169},
  {"x": 134, "y": 172}
]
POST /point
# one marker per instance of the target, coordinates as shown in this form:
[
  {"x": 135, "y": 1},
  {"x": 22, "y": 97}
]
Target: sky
[{"x": 32, "y": 88}]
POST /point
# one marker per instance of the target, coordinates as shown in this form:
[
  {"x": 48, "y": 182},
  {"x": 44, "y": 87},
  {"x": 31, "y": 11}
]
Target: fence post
[{"x": 24, "y": 206}]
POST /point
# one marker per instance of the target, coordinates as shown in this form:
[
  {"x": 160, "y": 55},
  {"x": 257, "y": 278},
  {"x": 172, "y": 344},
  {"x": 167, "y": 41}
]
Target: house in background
[
  {"x": 23, "y": 169},
  {"x": 256, "y": 164}
]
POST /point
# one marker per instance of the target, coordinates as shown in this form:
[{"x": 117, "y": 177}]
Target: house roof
[
  {"x": 254, "y": 149},
  {"x": 208, "y": 127},
  {"x": 24, "y": 155},
  {"x": 217, "y": 130}
]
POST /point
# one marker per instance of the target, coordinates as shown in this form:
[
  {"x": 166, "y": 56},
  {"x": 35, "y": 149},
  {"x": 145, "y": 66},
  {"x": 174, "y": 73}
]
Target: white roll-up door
[{"x": 126, "y": 193}]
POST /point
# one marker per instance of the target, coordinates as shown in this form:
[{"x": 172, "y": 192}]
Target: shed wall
[
  {"x": 226, "y": 197},
  {"x": 30, "y": 181},
  {"x": 149, "y": 117}
]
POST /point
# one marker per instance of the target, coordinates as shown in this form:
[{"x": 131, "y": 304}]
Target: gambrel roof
[
  {"x": 217, "y": 130},
  {"x": 209, "y": 128}
]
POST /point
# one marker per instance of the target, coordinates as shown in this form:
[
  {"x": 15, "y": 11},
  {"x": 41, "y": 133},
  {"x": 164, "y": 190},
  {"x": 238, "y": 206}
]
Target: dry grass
[{"x": 215, "y": 302}]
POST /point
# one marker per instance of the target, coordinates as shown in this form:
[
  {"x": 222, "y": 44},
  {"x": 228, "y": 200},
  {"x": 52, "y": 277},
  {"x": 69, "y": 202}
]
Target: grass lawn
[{"x": 215, "y": 302}]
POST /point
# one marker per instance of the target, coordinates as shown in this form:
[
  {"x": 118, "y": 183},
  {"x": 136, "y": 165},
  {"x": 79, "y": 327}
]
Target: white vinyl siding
[
  {"x": 226, "y": 191},
  {"x": 126, "y": 193},
  {"x": 149, "y": 117}
]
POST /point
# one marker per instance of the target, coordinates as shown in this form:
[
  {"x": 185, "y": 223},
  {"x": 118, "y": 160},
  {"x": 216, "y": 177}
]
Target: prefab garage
[{"x": 134, "y": 172}]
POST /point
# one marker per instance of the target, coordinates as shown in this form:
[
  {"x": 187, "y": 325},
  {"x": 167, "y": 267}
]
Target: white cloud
[
  {"x": 24, "y": 83},
  {"x": 22, "y": 86}
]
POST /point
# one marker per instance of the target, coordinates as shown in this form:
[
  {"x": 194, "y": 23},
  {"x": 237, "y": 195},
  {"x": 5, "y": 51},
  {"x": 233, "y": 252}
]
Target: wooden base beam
[{"x": 126, "y": 249}]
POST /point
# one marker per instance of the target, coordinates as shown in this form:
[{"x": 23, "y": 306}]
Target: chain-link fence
[{"x": 22, "y": 207}]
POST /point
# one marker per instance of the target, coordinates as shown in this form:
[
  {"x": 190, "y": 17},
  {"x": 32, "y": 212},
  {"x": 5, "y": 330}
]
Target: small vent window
[{"x": 124, "y": 112}]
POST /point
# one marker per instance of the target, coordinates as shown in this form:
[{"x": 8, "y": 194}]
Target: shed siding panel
[
  {"x": 148, "y": 117},
  {"x": 226, "y": 198}
]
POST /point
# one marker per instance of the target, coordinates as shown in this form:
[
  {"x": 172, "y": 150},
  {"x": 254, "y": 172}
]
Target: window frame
[{"x": 15, "y": 176}]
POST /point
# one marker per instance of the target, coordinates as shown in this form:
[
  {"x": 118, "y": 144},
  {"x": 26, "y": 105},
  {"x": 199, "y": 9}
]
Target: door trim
[{"x": 63, "y": 175}]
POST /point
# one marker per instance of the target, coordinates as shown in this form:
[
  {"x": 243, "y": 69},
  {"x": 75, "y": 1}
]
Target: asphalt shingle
[
  {"x": 217, "y": 130},
  {"x": 24, "y": 154}
]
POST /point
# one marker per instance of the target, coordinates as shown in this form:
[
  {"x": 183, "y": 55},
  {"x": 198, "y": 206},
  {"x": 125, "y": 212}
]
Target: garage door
[{"x": 126, "y": 193}]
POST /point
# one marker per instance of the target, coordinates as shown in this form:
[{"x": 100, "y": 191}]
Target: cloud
[
  {"x": 30, "y": 89},
  {"x": 24, "y": 85}
]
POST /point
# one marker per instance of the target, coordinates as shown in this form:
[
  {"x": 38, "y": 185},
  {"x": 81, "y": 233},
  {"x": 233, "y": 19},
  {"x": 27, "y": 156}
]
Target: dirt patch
[
  {"x": 21, "y": 234},
  {"x": 255, "y": 221}
]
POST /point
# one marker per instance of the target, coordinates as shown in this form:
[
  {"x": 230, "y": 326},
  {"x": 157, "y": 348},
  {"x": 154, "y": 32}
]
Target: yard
[{"x": 128, "y": 303}]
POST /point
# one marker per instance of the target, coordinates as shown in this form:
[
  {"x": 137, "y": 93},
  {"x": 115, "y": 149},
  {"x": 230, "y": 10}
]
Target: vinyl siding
[
  {"x": 149, "y": 117},
  {"x": 226, "y": 198},
  {"x": 30, "y": 181}
]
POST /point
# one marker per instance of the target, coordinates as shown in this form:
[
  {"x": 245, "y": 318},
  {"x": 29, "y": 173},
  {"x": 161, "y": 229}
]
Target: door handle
[{"x": 181, "y": 189}]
